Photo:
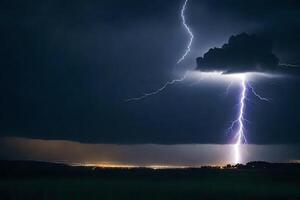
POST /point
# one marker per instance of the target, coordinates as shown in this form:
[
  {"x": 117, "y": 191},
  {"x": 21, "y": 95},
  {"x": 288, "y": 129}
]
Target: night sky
[{"x": 68, "y": 67}]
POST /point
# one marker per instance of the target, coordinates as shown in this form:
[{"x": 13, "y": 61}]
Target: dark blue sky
[{"x": 68, "y": 66}]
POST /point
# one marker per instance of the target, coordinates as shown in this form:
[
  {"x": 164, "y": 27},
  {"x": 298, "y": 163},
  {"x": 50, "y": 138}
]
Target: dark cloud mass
[{"x": 242, "y": 53}]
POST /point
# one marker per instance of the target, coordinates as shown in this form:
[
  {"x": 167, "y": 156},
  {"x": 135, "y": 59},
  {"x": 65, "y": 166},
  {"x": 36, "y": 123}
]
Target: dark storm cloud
[
  {"x": 242, "y": 53},
  {"x": 276, "y": 20}
]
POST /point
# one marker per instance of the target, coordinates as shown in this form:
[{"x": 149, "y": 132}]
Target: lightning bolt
[
  {"x": 190, "y": 33},
  {"x": 237, "y": 126},
  {"x": 188, "y": 49},
  {"x": 239, "y": 135}
]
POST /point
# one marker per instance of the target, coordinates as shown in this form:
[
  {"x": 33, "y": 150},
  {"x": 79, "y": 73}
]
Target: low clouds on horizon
[{"x": 192, "y": 155}]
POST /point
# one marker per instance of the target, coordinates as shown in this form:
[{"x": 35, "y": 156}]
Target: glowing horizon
[{"x": 142, "y": 155}]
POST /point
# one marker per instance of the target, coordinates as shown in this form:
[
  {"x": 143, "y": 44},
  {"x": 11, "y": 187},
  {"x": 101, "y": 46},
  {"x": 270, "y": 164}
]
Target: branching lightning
[
  {"x": 188, "y": 48},
  {"x": 288, "y": 65},
  {"x": 145, "y": 95},
  {"x": 256, "y": 94}
]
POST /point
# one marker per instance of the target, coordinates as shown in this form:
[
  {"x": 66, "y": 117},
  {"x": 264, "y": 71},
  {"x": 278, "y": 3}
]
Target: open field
[{"x": 64, "y": 182}]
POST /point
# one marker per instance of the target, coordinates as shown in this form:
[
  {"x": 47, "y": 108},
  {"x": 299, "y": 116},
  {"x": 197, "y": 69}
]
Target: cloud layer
[{"x": 242, "y": 53}]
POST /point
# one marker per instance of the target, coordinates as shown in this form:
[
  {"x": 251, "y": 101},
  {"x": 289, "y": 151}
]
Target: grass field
[{"x": 156, "y": 184}]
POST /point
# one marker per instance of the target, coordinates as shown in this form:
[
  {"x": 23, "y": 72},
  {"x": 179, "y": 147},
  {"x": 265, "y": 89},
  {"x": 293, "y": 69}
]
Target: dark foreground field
[{"x": 37, "y": 180}]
